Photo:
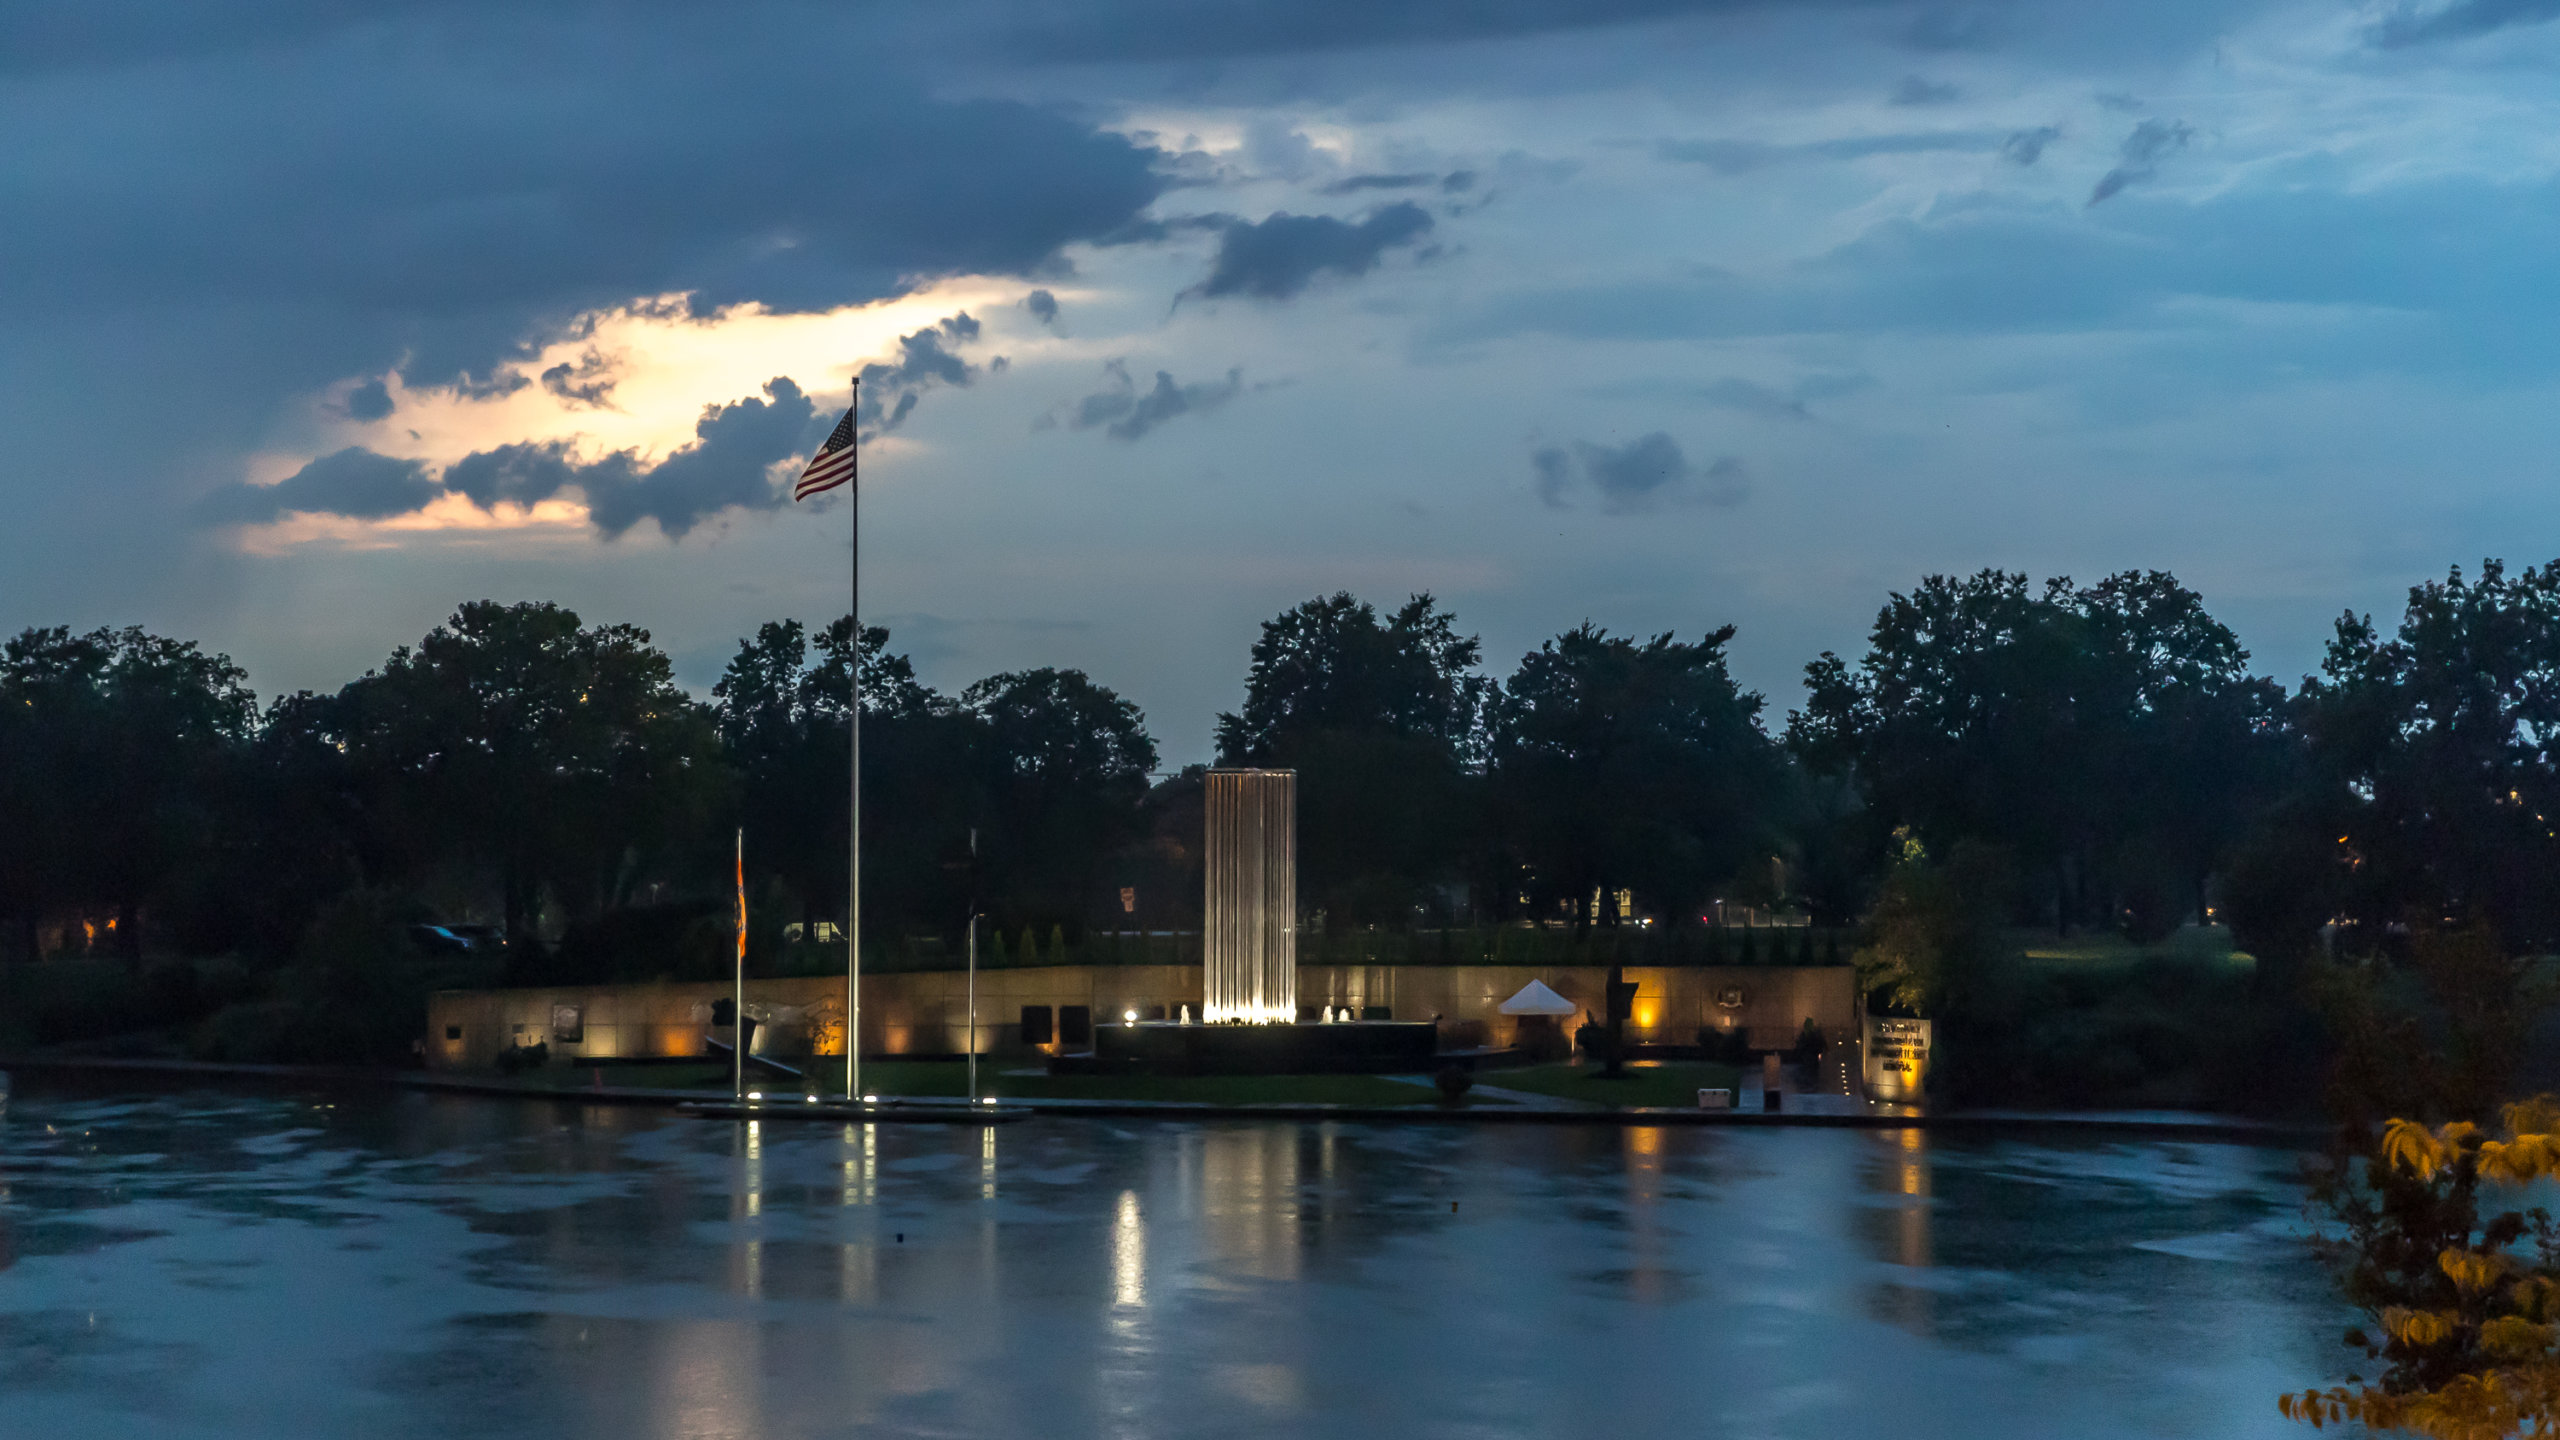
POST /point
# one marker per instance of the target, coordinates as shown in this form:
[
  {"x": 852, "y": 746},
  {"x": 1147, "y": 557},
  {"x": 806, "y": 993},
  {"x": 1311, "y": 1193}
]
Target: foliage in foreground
[{"x": 2467, "y": 1308}]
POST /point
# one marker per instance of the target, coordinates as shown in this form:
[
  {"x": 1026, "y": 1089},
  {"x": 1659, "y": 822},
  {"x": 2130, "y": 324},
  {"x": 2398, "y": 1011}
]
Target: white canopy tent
[{"x": 1536, "y": 999}]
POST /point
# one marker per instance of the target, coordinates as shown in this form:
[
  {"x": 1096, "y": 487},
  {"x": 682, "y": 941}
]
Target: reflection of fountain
[
  {"x": 1249, "y": 1198},
  {"x": 1129, "y": 1254}
]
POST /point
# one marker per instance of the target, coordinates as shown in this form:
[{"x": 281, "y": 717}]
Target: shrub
[
  {"x": 1725, "y": 1046},
  {"x": 524, "y": 1057},
  {"x": 1809, "y": 1042},
  {"x": 1453, "y": 1082}
]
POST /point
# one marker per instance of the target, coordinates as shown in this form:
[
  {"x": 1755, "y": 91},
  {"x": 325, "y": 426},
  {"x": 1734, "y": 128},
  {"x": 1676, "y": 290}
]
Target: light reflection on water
[{"x": 225, "y": 1264}]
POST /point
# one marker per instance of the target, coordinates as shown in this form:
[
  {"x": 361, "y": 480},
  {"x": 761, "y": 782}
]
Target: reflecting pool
[{"x": 230, "y": 1263}]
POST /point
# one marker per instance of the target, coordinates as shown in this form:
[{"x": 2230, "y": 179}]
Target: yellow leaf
[{"x": 2411, "y": 1146}]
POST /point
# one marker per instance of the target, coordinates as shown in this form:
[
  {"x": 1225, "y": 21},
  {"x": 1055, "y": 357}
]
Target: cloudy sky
[{"x": 317, "y": 319}]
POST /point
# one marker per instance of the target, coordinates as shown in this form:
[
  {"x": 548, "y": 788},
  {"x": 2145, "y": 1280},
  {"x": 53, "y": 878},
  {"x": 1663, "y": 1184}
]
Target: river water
[{"x": 227, "y": 1263}]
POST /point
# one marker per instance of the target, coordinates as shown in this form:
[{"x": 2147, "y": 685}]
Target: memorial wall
[{"x": 1043, "y": 1009}]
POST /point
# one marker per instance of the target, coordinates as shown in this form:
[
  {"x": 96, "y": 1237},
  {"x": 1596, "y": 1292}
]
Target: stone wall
[
  {"x": 926, "y": 1013},
  {"x": 1770, "y": 1002}
]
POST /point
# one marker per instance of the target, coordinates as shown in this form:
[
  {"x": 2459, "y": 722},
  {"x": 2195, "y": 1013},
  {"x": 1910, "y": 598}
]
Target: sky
[{"x": 316, "y": 320}]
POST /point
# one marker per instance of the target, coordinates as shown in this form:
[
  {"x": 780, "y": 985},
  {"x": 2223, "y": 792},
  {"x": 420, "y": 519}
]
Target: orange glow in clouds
[{"x": 639, "y": 377}]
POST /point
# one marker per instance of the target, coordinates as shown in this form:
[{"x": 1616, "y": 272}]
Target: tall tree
[
  {"x": 1067, "y": 767},
  {"x": 1381, "y": 716},
  {"x": 1625, "y": 764},
  {"x": 782, "y": 721},
  {"x": 2111, "y": 738},
  {"x": 113, "y": 762},
  {"x": 2440, "y": 749},
  {"x": 560, "y": 755}
]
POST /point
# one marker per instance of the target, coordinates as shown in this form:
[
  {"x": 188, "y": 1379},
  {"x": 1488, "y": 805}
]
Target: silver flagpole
[
  {"x": 853, "y": 846},
  {"x": 738, "y": 984}
]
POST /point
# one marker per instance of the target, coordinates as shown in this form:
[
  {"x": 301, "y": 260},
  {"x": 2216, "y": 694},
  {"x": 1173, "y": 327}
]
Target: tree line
[{"x": 2085, "y": 757}]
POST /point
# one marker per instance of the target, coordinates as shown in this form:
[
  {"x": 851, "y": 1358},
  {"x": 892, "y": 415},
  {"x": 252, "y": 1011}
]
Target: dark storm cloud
[
  {"x": 355, "y": 483},
  {"x": 725, "y": 468},
  {"x": 448, "y": 199},
  {"x": 523, "y": 474},
  {"x": 925, "y": 359},
  {"x": 2026, "y": 147},
  {"x": 368, "y": 401},
  {"x": 2410, "y": 25},
  {"x": 1126, "y": 413},
  {"x": 1042, "y": 305},
  {"x": 1280, "y": 256},
  {"x": 2150, "y": 142},
  {"x": 1736, "y": 157},
  {"x": 1641, "y": 475},
  {"x": 588, "y": 382}
]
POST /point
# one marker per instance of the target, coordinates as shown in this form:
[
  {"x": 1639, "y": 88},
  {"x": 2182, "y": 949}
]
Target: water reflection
[
  {"x": 706, "y": 1387},
  {"x": 426, "y": 1267},
  {"x": 1129, "y": 1254},
  {"x": 862, "y": 1168},
  {"x": 1248, "y": 1177},
  {"x": 1900, "y": 1178},
  {"x": 1648, "y": 1274}
]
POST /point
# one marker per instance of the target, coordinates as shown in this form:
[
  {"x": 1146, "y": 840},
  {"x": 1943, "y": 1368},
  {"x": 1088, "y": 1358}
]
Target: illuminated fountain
[
  {"x": 1249, "y": 960},
  {"x": 1249, "y": 930}
]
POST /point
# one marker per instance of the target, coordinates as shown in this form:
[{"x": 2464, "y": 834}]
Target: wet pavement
[{"x": 216, "y": 1263}]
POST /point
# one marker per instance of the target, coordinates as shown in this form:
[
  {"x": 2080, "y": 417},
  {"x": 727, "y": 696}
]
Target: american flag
[{"x": 832, "y": 466}]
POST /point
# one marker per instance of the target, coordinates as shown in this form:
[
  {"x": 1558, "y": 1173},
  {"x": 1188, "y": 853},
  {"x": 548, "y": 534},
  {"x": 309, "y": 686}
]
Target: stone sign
[{"x": 1897, "y": 1059}]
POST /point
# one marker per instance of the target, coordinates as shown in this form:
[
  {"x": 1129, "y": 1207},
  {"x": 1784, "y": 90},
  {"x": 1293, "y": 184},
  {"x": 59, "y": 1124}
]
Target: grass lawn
[
  {"x": 950, "y": 1078},
  {"x": 2100, "y": 949},
  {"x": 1674, "y": 1082},
  {"x": 1221, "y": 1089}
]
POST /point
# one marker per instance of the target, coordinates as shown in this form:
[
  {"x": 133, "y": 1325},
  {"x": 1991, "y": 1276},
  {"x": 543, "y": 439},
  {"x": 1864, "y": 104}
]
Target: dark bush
[
  {"x": 517, "y": 1058},
  {"x": 1727, "y": 1045},
  {"x": 1453, "y": 1082},
  {"x": 1809, "y": 1043},
  {"x": 687, "y": 940}
]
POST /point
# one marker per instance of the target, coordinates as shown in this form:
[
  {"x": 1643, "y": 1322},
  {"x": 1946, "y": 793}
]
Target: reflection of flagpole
[
  {"x": 853, "y": 839},
  {"x": 738, "y": 985}
]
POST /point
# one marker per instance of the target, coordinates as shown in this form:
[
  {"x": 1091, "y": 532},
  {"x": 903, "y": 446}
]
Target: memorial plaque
[
  {"x": 1897, "y": 1059},
  {"x": 568, "y": 1024}
]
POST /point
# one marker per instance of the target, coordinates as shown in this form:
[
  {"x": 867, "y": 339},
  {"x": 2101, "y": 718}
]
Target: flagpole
[
  {"x": 853, "y": 845},
  {"x": 738, "y": 984}
]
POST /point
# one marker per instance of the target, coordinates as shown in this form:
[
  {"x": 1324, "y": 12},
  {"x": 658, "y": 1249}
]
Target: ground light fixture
[
  {"x": 870, "y": 1099},
  {"x": 1130, "y": 1016},
  {"x": 755, "y": 1094}
]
